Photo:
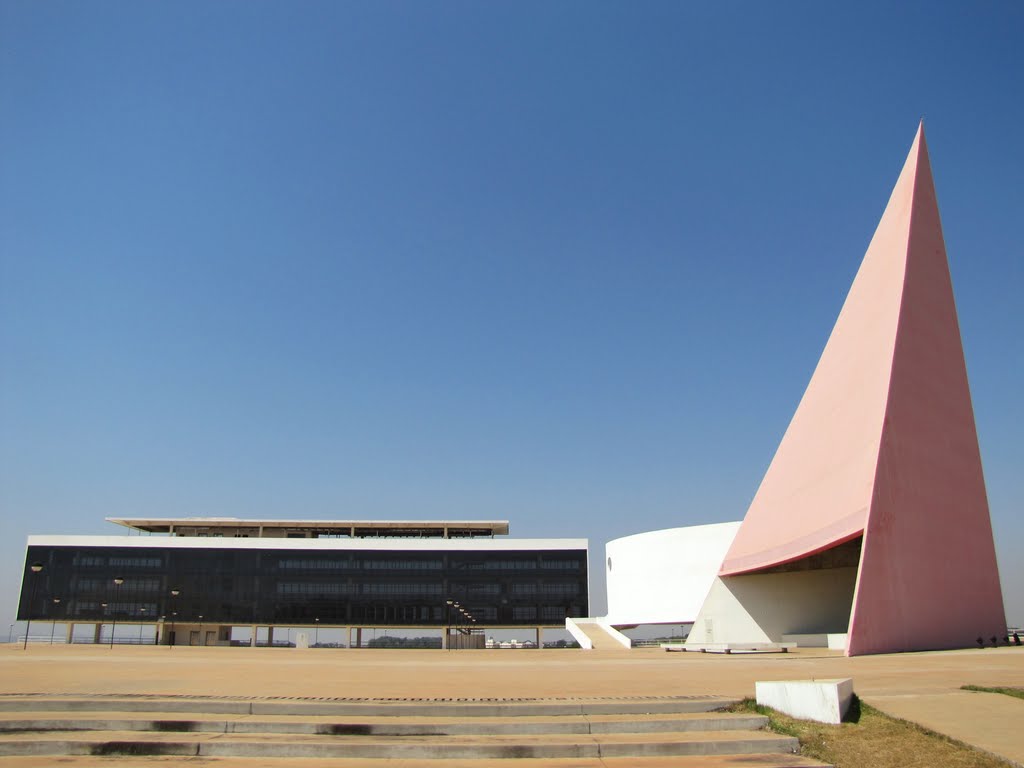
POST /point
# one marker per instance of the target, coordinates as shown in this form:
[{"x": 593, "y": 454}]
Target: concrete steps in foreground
[
  {"x": 301, "y": 730},
  {"x": 700, "y": 761},
  {"x": 394, "y": 726},
  {"x": 367, "y": 707}
]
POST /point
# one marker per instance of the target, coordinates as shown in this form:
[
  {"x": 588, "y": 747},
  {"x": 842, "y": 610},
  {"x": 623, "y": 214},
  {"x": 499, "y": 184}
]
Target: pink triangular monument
[{"x": 881, "y": 456}]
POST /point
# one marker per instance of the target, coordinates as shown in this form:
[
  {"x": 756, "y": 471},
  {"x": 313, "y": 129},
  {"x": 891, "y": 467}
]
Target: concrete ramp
[{"x": 595, "y": 634}]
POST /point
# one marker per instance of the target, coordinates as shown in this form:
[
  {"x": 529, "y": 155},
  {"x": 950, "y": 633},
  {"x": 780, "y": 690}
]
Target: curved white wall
[{"x": 662, "y": 577}]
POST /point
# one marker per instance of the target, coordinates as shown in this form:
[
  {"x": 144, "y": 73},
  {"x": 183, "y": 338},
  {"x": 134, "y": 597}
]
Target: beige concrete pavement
[
  {"x": 365, "y": 673},
  {"x": 920, "y": 687}
]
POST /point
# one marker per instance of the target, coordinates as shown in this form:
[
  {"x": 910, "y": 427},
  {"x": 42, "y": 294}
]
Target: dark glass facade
[{"x": 237, "y": 587}]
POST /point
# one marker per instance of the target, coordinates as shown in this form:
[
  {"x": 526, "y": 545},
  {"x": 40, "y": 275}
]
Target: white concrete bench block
[
  {"x": 835, "y": 641},
  {"x": 825, "y": 701},
  {"x": 734, "y": 647}
]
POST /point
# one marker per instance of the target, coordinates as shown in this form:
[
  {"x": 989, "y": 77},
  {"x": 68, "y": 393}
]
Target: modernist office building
[{"x": 194, "y": 579}]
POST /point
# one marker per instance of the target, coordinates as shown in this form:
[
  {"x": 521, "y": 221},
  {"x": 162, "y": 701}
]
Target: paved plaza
[
  {"x": 921, "y": 687},
  {"x": 365, "y": 673}
]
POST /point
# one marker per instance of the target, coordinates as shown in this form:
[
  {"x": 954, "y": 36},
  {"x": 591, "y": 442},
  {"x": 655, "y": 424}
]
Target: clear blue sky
[{"x": 569, "y": 264}]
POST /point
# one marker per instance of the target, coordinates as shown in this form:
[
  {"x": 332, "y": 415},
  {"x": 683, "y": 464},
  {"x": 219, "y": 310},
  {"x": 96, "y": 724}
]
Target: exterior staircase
[{"x": 683, "y": 731}]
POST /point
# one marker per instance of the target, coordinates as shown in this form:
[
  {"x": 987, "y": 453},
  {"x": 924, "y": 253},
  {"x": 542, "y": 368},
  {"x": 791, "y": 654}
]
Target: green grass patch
[
  {"x": 869, "y": 738},
  {"x": 1015, "y": 692}
]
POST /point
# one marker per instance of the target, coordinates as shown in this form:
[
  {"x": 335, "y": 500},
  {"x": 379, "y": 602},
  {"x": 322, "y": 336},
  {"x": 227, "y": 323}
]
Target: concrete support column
[
  {"x": 348, "y": 637},
  {"x": 96, "y": 633},
  {"x": 359, "y": 637},
  {"x": 69, "y": 632},
  {"x": 252, "y": 635},
  {"x": 270, "y": 636},
  {"x": 540, "y": 637}
]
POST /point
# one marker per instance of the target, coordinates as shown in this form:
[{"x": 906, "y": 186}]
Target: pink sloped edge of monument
[{"x": 818, "y": 488}]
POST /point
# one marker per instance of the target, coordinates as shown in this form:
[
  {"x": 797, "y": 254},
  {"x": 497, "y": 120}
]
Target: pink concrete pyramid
[{"x": 883, "y": 445}]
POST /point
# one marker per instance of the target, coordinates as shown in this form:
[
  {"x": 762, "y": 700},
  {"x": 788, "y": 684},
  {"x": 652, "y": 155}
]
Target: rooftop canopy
[{"x": 234, "y": 526}]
